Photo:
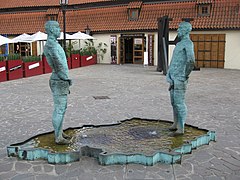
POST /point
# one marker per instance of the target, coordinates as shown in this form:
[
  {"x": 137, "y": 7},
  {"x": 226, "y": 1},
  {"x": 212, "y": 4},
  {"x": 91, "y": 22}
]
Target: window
[
  {"x": 52, "y": 17},
  {"x": 133, "y": 14},
  {"x": 204, "y": 10}
]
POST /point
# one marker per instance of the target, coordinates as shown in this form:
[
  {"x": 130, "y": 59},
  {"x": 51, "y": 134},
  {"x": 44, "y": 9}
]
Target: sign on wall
[
  {"x": 138, "y": 41},
  {"x": 151, "y": 49}
]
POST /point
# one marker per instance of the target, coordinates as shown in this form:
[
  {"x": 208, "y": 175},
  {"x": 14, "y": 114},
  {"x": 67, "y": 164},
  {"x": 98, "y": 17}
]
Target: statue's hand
[{"x": 70, "y": 82}]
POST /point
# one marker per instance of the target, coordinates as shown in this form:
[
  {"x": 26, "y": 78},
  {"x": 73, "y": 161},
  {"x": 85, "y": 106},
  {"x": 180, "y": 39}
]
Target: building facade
[{"x": 130, "y": 28}]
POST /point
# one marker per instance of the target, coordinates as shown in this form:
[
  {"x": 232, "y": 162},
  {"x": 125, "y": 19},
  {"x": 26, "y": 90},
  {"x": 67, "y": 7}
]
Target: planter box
[
  {"x": 69, "y": 61},
  {"x": 3, "y": 71},
  {"x": 32, "y": 68},
  {"x": 88, "y": 60},
  {"x": 46, "y": 67},
  {"x": 75, "y": 60},
  {"x": 14, "y": 69}
]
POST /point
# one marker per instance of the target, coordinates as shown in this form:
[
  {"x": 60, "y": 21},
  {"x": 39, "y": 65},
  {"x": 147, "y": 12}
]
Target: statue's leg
[
  {"x": 181, "y": 108},
  {"x": 174, "y": 125},
  {"x": 60, "y": 106}
]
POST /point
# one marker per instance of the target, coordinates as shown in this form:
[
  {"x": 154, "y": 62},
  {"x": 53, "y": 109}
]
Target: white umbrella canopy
[
  {"x": 80, "y": 35},
  {"x": 21, "y": 38},
  {"x": 38, "y": 36},
  {"x": 68, "y": 36},
  {"x": 4, "y": 40}
]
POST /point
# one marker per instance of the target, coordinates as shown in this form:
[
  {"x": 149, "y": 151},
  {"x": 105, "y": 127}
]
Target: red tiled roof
[
  {"x": 24, "y": 22},
  {"x": 53, "y": 11},
  {"x": 204, "y": 1},
  {"x": 135, "y": 4},
  {"x": 38, "y": 3},
  {"x": 224, "y": 15}
]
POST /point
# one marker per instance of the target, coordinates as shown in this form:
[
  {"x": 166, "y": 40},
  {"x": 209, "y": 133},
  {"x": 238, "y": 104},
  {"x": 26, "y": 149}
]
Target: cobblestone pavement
[{"x": 213, "y": 100}]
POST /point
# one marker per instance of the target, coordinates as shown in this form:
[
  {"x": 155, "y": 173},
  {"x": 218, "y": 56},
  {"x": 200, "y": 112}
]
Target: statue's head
[
  {"x": 52, "y": 28},
  {"x": 184, "y": 28}
]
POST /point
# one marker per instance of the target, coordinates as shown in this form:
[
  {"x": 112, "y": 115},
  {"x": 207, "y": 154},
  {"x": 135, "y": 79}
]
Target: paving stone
[
  {"x": 182, "y": 177},
  {"x": 3, "y": 155},
  {"x": 218, "y": 165},
  {"x": 5, "y": 167},
  {"x": 22, "y": 167},
  {"x": 46, "y": 177},
  {"x": 26, "y": 109},
  {"x": 135, "y": 173},
  {"x": 24, "y": 177},
  {"x": 152, "y": 175},
  {"x": 212, "y": 178},
  {"x": 195, "y": 177},
  {"x": 73, "y": 178},
  {"x": 202, "y": 156},
  {"x": 100, "y": 176},
  {"x": 76, "y": 173},
  {"x": 61, "y": 169},
  {"x": 199, "y": 170},
  {"x": 47, "y": 168},
  {"x": 232, "y": 161},
  {"x": 7, "y": 175},
  {"x": 37, "y": 168},
  {"x": 232, "y": 177}
]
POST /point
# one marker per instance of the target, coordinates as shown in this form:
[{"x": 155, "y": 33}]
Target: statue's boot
[
  {"x": 66, "y": 136},
  {"x": 57, "y": 124},
  {"x": 62, "y": 141},
  {"x": 180, "y": 131},
  {"x": 180, "y": 124},
  {"x": 174, "y": 126}
]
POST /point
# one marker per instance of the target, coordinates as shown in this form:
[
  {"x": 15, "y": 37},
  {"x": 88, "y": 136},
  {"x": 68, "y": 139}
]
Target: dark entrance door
[{"x": 129, "y": 50}]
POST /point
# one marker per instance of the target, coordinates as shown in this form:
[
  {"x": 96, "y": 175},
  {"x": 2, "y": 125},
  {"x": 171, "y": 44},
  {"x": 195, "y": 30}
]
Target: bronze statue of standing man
[
  {"x": 59, "y": 81},
  {"x": 181, "y": 65}
]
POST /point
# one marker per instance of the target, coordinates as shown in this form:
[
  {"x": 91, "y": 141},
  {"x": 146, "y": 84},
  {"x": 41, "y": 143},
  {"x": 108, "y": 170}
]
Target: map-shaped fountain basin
[{"x": 141, "y": 141}]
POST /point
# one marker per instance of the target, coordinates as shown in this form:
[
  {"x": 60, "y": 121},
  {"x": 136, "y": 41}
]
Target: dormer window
[
  {"x": 134, "y": 10},
  {"x": 52, "y": 14},
  {"x": 52, "y": 18},
  {"x": 133, "y": 14},
  {"x": 205, "y": 10},
  {"x": 204, "y": 7}
]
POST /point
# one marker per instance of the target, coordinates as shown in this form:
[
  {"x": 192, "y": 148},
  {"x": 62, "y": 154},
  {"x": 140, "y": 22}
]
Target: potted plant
[
  {"x": 14, "y": 66},
  {"x": 32, "y": 66},
  {"x": 46, "y": 67},
  {"x": 101, "y": 50},
  {"x": 89, "y": 53},
  {"x": 3, "y": 69}
]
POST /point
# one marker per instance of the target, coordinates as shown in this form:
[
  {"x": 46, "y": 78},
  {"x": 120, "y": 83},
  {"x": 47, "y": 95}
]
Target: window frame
[
  {"x": 204, "y": 9},
  {"x": 131, "y": 16}
]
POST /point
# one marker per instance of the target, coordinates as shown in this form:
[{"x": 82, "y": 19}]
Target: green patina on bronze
[
  {"x": 59, "y": 81},
  {"x": 135, "y": 136},
  {"x": 181, "y": 66}
]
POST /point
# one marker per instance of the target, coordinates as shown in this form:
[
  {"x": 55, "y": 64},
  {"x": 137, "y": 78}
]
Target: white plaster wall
[
  {"x": 103, "y": 38},
  {"x": 172, "y": 36},
  {"x": 232, "y": 47},
  {"x": 232, "y": 50}
]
